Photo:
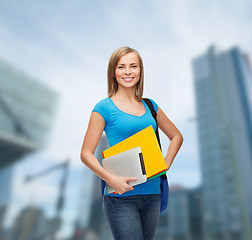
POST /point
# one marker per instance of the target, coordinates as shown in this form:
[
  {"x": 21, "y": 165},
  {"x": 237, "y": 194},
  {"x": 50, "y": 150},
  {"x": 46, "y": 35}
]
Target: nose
[{"x": 128, "y": 70}]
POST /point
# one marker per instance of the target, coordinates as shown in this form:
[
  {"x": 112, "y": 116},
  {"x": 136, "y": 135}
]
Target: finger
[
  {"x": 130, "y": 188},
  {"x": 122, "y": 192},
  {"x": 129, "y": 179}
]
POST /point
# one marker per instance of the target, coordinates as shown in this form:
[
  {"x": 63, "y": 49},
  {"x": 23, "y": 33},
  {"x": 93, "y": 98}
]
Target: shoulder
[
  {"x": 103, "y": 107},
  {"x": 155, "y": 105}
]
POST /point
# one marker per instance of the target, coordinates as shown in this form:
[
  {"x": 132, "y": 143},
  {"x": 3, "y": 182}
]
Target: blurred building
[
  {"x": 223, "y": 87},
  {"x": 30, "y": 224},
  {"x": 27, "y": 109},
  {"x": 5, "y": 194},
  {"x": 195, "y": 213},
  {"x": 5, "y": 186},
  {"x": 184, "y": 214},
  {"x": 178, "y": 213}
]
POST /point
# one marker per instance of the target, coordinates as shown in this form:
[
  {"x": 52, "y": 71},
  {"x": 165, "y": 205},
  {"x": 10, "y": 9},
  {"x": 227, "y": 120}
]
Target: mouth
[{"x": 128, "y": 79}]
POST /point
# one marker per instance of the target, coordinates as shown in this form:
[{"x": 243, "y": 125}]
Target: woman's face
[{"x": 128, "y": 70}]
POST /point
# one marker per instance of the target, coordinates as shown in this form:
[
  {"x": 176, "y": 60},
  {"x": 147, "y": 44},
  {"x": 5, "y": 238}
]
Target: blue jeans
[{"x": 133, "y": 217}]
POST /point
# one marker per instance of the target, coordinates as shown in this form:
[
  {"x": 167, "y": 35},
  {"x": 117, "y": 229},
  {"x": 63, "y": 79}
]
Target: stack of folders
[{"x": 137, "y": 156}]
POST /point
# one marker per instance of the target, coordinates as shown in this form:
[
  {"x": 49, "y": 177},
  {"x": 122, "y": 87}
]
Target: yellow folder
[{"x": 152, "y": 155}]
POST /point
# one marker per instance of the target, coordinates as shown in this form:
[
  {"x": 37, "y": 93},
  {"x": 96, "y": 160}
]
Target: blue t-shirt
[{"x": 119, "y": 126}]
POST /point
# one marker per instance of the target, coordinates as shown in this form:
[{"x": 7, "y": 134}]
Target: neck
[{"x": 126, "y": 94}]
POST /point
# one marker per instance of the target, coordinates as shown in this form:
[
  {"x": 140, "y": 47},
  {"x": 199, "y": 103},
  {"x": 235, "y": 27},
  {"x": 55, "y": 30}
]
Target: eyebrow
[{"x": 124, "y": 64}]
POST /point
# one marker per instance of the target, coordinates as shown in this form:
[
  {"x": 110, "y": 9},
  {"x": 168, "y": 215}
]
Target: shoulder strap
[{"x": 154, "y": 115}]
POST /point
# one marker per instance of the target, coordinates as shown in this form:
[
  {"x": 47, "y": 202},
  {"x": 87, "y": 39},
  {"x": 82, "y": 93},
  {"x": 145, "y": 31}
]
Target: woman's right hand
[{"x": 120, "y": 184}]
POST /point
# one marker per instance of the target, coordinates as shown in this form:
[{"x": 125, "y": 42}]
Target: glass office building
[
  {"x": 223, "y": 87},
  {"x": 184, "y": 214},
  {"x": 27, "y": 109},
  {"x": 30, "y": 223},
  {"x": 5, "y": 185},
  {"x": 5, "y": 194},
  {"x": 178, "y": 214}
]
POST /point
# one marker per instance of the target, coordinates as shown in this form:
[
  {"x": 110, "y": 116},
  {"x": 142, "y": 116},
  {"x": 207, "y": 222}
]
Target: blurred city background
[{"x": 53, "y": 62}]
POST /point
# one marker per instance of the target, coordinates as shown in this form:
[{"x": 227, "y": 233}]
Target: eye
[
  {"x": 120, "y": 67},
  {"x": 134, "y": 66}
]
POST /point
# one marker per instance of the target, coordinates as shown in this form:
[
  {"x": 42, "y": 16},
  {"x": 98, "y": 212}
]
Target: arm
[
  {"x": 170, "y": 130},
  {"x": 91, "y": 140}
]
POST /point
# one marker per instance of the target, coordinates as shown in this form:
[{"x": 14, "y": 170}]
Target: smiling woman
[{"x": 133, "y": 212}]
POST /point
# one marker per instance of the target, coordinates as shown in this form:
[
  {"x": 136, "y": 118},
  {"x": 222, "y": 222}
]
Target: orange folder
[{"x": 152, "y": 156}]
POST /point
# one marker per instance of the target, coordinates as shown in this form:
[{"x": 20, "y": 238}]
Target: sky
[{"x": 66, "y": 45}]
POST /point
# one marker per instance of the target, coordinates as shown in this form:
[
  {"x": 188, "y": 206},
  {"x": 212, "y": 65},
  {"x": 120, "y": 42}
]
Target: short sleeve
[
  {"x": 102, "y": 108},
  {"x": 154, "y": 105}
]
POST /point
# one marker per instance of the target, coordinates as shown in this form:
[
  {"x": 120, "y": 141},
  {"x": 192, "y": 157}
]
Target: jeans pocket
[{"x": 114, "y": 202}]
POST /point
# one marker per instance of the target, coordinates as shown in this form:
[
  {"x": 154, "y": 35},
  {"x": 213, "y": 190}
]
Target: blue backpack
[{"x": 164, "y": 182}]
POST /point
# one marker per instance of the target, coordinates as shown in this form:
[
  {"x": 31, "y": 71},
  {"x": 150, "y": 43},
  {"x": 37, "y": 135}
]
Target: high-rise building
[
  {"x": 184, "y": 214},
  {"x": 223, "y": 88},
  {"x": 5, "y": 194},
  {"x": 178, "y": 214},
  {"x": 195, "y": 213},
  {"x": 31, "y": 223},
  {"x": 5, "y": 185},
  {"x": 27, "y": 109}
]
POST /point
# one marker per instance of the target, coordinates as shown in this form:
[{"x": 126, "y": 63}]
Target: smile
[{"x": 128, "y": 79}]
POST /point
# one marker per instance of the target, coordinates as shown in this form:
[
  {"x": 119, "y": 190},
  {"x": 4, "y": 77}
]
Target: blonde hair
[{"x": 113, "y": 61}]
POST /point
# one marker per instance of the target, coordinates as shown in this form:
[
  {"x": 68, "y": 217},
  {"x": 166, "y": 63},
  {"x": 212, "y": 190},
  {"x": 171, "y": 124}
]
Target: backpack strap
[
  {"x": 154, "y": 115},
  {"x": 164, "y": 182}
]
